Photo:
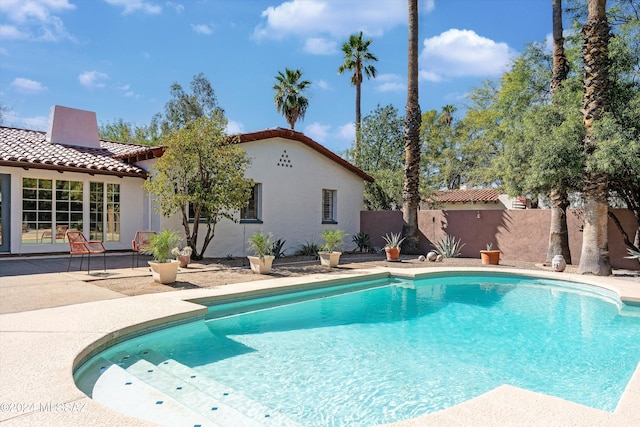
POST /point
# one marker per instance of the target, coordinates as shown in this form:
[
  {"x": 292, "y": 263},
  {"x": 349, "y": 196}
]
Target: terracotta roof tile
[
  {"x": 28, "y": 148},
  {"x": 486, "y": 195}
]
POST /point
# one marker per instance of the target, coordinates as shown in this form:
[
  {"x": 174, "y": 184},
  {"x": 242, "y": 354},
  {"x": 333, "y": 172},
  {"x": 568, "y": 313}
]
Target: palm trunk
[
  {"x": 356, "y": 151},
  {"x": 413, "y": 119},
  {"x": 594, "y": 258},
  {"x": 558, "y": 232}
]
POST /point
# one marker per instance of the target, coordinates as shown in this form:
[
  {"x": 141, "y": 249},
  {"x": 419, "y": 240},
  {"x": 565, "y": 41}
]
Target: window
[
  {"x": 113, "y": 213},
  {"x": 104, "y": 212},
  {"x": 51, "y": 207},
  {"x": 329, "y": 207},
  {"x": 96, "y": 211},
  {"x": 37, "y": 209},
  {"x": 251, "y": 212},
  {"x": 68, "y": 208}
]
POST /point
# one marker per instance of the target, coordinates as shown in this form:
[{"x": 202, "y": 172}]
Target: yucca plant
[{"x": 448, "y": 247}]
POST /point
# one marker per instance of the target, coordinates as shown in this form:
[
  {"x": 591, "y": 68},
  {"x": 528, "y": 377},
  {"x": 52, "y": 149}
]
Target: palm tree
[
  {"x": 594, "y": 258},
  {"x": 413, "y": 119},
  {"x": 558, "y": 230},
  {"x": 357, "y": 58},
  {"x": 289, "y": 98},
  {"x": 447, "y": 114}
]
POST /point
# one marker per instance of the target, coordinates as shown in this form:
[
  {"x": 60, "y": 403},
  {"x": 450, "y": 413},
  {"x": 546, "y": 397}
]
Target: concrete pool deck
[{"x": 40, "y": 349}]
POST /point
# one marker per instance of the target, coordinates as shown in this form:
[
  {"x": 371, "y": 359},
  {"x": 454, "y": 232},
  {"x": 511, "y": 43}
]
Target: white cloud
[
  {"x": 23, "y": 11},
  {"x": 202, "y": 29},
  {"x": 234, "y": 128},
  {"x": 390, "y": 83},
  {"x": 34, "y": 123},
  {"x": 92, "y": 79},
  {"x": 322, "y": 84},
  {"x": 131, "y": 6},
  {"x": 347, "y": 132},
  {"x": 457, "y": 53},
  {"x": 11, "y": 32},
  {"x": 428, "y": 76},
  {"x": 428, "y": 6},
  {"x": 320, "y": 46},
  {"x": 34, "y": 19},
  {"x": 179, "y": 8},
  {"x": 330, "y": 18},
  {"x": 316, "y": 131},
  {"x": 27, "y": 86}
]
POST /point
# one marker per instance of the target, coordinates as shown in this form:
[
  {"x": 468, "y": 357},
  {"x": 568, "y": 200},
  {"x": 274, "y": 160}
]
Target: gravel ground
[{"x": 211, "y": 273}]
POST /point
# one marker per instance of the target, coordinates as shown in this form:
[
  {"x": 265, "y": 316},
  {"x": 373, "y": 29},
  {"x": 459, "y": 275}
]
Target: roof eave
[{"x": 44, "y": 166}]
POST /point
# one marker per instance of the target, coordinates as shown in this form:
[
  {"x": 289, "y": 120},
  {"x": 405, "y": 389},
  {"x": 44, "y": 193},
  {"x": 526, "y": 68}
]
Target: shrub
[
  {"x": 448, "y": 247},
  {"x": 361, "y": 240},
  {"x": 308, "y": 249}
]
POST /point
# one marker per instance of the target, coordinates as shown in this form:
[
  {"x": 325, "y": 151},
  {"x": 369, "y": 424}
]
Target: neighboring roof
[
  {"x": 300, "y": 137},
  {"x": 30, "y": 149},
  {"x": 476, "y": 195}
]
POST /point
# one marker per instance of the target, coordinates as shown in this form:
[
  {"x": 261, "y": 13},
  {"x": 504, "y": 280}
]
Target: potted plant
[
  {"x": 183, "y": 255},
  {"x": 260, "y": 244},
  {"x": 331, "y": 250},
  {"x": 490, "y": 255},
  {"x": 392, "y": 246},
  {"x": 164, "y": 269}
]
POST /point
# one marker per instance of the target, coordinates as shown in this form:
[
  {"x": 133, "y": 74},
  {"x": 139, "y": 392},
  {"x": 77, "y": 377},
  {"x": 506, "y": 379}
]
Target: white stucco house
[{"x": 67, "y": 178}]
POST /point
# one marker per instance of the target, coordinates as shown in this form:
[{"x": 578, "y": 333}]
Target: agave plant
[
  {"x": 393, "y": 240},
  {"x": 448, "y": 247},
  {"x": 633, "y": 254}
]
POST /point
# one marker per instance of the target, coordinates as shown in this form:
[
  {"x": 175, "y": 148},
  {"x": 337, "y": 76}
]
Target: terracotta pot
[
  {"x": 393, "y": 254},
  {"x": 261, "y": 265},
  {"x": 329, "y": 259},
  {"x": 184, "y": 260},
  {"x": 164, "y": 272},
  {"x": 490, "y": 257}
]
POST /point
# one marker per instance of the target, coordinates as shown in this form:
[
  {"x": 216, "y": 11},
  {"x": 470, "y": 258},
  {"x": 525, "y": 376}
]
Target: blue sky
[{"x": 120, "y": 57}]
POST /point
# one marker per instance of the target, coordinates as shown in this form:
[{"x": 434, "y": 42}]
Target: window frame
[
  {"x": 256, "y": 200},
  {"x": 332, "y": 200}
]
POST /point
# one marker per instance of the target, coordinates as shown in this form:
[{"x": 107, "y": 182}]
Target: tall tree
[
  {"x": 289, "y": 98},
  {"x": 558, "y": 230},
  {"x": 357, "y": 59},
  {"x": 185, "y": 107},
  {"x": 202, "y": 170},
  {"x": 382, "y": 157},
  {"x": 594, "y": 258},
  {"x": 413, "y": 119}
]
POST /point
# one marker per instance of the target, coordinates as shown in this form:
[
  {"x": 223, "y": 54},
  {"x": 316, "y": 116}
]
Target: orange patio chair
[
  {"x": 139, "y": 245},
  {"x": 79, "y": 245}
]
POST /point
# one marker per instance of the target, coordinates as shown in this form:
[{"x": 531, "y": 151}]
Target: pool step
[
  {"x": 119, "y": 390},
  {"x": 205, "y": 396},
  {"x": 233, "y": 398}
]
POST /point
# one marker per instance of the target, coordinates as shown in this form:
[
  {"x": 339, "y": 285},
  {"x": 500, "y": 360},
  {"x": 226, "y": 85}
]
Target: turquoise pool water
[{"x": 394, "y": 351}]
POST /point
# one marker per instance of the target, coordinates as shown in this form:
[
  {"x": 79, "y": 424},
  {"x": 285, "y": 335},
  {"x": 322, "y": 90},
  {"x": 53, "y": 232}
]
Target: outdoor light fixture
[{"x": 478, "y": 215}]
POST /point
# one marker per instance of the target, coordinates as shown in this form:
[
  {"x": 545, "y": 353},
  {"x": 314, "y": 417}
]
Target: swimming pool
[{"x": 382, "y": 351}]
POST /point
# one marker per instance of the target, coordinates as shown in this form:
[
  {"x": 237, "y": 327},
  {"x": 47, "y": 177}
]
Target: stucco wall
[
  {"x": 520, "y": 234},
  {"x": 291, "y": 198},
  {"x": 134, "y": 207}
]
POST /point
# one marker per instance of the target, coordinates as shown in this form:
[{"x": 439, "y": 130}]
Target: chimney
[{"x": 73, "y": 127}]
